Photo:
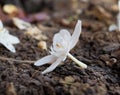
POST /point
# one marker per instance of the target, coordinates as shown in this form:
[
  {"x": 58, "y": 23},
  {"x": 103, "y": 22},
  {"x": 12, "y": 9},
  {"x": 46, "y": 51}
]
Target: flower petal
[
  {"x": 75, "y": 35},
  {"x": 46, "y": 59},
  {"x": 12, "y": 39},
  {"x": 21, "y": 24},
  {"x": 9, "y": 46},
  {"x": 61, "y": 40},
  {"x": 1, "y": 24},
  {"x": 8, "y": 37},
  {"x": 65, "y": 34},
  {"x": 53, "y": 66}
]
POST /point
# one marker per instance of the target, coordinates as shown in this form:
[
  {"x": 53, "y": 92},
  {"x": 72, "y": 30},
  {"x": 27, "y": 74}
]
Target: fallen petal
[
  {"x": 21, "y": 24},
  {"x": 9, "y": 46},
  {"x": 61, "y": 40},
  {"x": 44, "y": 60},
  {"x": 12, "y": 39},
  {"x": 53, "y": 66},
  {"x": 75, "y": 35}
]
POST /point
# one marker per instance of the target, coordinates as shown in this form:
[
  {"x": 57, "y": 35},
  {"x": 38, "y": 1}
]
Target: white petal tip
[
  {"x": 36, "y": 64},
  {"x": 18, "y": 41},
  {"x": 43, "y": 73},
  {"x": 13, "y": 51}
]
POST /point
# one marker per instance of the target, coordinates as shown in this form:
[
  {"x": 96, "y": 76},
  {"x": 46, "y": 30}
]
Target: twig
[{"x": 11, "y": 59}]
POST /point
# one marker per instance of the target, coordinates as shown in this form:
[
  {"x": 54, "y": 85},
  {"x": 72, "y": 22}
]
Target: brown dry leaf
[
  {"x": 35, "y": 33},
  {"x": 42, "y": 45}
]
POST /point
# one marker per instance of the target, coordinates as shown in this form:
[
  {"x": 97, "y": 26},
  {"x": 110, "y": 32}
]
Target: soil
[{"x": 97, "y": 47}]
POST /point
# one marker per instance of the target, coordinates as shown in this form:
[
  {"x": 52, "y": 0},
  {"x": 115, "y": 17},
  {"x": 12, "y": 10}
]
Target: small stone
[
  {"x": 10, "y": 9},
  {"x": 42, "y": 45}
]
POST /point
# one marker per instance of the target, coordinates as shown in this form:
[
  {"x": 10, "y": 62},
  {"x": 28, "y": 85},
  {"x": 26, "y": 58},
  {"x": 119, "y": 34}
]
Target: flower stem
[{"x": 81, "y": 64}]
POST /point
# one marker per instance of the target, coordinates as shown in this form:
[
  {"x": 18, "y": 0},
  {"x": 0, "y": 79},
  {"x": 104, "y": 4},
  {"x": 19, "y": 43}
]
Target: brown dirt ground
[{"x": 97, "y": 47}]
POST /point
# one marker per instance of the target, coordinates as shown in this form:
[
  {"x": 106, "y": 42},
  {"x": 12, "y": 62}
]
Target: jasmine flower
[{"x": 63, "y": 42}]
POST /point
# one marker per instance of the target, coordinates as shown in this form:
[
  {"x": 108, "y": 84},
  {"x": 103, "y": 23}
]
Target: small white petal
[
  {"x": 53, "y": 66},
  {"x": 75, "y": 35},
  {"x": 9, "y": 46},
  {"x": 1, "y": 24},
  {"x": 12, "y": 39},
  {"x": 46, "y": 59},
  {"x": 21, "y": 24}
]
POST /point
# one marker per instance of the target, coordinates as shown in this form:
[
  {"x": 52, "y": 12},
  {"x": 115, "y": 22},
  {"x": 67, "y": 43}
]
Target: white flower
[
  {"x": 6, "y": 39},
  {"x": 63, "y": 42}
]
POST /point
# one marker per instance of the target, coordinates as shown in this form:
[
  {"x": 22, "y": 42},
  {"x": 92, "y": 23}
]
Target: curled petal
[
  {"x": 75, "y": 35},
  {"x": 46, "y": 59},
  {"x": 53, "y": 66},
  {"x": 65, "y": 34},
  {"x": 9, "y": 46},
  {"x": 61, "y": 40}
]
